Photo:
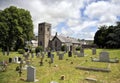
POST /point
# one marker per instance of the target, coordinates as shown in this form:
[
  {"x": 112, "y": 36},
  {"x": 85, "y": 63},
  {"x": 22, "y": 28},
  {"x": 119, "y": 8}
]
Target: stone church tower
[{"x": 44, "y": 34}]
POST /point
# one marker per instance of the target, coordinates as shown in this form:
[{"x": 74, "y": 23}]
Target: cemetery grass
[{"x": 47, "y": 73}]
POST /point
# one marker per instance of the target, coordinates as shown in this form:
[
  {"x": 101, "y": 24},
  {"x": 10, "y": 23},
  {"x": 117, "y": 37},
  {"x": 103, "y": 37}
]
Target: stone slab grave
[
  {"x": 93, "y": 51},
  {"x": 31, "y": 74},
  {"x": 93, "y": 69}
]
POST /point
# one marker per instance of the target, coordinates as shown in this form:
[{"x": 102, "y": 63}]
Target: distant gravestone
[
  {"x": 49, "y": 54},
  {"x": 16, "y": 59},
  {"x": 10, "y": 60},
  {"x": 93, "y": 51},
  {"x": 31, "y": 74},
  {"x": 32, "y": 55},
  {"x": 81, "y": 52},
  {"x": 52, "y": 58},
  {"x": 69, "y": 54},
  {"x": 19, "y": 58},
  {"x": 61, "y": 56},
  {"x": 104, "y": 57}
]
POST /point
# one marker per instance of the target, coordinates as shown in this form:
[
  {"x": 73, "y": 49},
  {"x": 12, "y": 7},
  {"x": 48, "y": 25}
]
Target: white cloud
[{"x": 96, "y": 13}]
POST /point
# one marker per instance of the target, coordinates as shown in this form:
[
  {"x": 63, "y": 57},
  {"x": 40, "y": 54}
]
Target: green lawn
[{"x": 46, "y": 73}]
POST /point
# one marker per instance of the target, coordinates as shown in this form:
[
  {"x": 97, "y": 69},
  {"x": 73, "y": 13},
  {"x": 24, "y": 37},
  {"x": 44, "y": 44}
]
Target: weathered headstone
[
  {"x": 19, "y": 58},
  {"x": 16, "y": 59},
  {"x": 52, "y": 58},
  {"x": 69, "y": 54},
  {"x": 61, "y": 56},
  {"x": 10, "y": 60},
  {"x": 82, "y": 52},
  {"x": 31, "y": 74},
  {"x": 104, "y": 57},
  {"x": 93, "y": 51},
  {"x": 49, "y": 54}
]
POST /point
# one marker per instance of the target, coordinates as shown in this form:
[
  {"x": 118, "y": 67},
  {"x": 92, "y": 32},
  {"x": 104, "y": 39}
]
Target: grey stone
[
  {"x": 81, "y": 52},
  {"x": 93, "y": 51},
  {"x": 61, "y": 56},
  {"x": 104, "y": 57},
  {"x": 31, "y": 74}
]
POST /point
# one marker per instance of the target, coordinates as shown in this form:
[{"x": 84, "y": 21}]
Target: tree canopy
[
  {"x": 16, "y": 27},
  {"x": 108, "y": 36}
]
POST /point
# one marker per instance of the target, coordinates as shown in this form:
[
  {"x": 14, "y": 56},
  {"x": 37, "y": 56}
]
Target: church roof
[{"x": 67, "y": 39}]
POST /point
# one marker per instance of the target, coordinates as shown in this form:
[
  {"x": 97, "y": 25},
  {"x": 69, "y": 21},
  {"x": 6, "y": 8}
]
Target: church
[{"x": 47, "y": 41}]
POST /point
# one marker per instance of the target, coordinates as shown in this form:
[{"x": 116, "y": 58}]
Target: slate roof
[{"x": 67, "y": 39}]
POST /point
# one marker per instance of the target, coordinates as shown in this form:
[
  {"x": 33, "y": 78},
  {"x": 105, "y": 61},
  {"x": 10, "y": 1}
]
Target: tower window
[
  {"x": 48, "y": 29},
  {"x": 40, "y": 43}
]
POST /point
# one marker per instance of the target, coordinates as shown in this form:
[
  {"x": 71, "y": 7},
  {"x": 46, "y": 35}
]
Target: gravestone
[
  {"x": 49, "y": 54},
  {"x": 61, "y": 56},
  {"x": 82, "y": 52},
  {"x": 52, "y": 58},
  {"x": 10, "y": 60},
  {"x": 69, "y": 54},
  {"x": 16, "y": 59},
  {"x": 104, "y": 57},
  {"x": 93, "y": 51},
  {"x": 32, "y": 55},
  {"x": 19, "y": 58},
  {"x": 31, "y": 74}
]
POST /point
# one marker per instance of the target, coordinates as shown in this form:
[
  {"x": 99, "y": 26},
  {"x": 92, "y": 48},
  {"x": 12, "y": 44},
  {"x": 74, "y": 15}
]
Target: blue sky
[{"x": 75, "y": 18}]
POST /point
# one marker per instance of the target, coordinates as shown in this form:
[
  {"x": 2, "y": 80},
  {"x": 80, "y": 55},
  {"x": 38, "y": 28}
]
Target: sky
[{"x": 74, "y": 18}]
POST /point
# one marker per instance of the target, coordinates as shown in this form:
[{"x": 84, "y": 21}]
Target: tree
[
  {"x": 15, "y": 24},
  {"x": 100, "y": 36},
  {"x": 108, "y": 36}
]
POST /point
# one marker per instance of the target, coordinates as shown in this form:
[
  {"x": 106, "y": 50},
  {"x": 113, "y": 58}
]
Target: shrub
[
  {"x": 38, "y": 49},
  {"x": 78, "y": 48},
  {"x": 21, "y": 51},
  {"x": 63, "y": 47}
]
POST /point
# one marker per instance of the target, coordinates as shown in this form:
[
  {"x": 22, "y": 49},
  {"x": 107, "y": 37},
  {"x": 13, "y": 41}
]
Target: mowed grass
[{"x": 47, "y": 73}]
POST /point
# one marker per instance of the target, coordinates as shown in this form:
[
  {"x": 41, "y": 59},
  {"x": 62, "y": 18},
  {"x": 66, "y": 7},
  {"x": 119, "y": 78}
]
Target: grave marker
[{"x": 31, "y": 74}]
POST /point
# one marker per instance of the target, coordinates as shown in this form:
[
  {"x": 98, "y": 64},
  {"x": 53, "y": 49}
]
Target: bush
[
  {"x": 38, "y": 49},
  {"x": 78, "y": 48},
  {"x": 0, "y": 49},
  {"x": 63, "y": 48},
  {"x": 21, "y": 51}
]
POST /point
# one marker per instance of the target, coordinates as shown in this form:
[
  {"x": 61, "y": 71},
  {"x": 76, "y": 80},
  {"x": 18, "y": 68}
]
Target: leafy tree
[
  {"x": 108, "y": 36},
  {"x": 100, "y": 36},
  {"x": 15, "y": 25},
  {"x": 63, "y": 48}
]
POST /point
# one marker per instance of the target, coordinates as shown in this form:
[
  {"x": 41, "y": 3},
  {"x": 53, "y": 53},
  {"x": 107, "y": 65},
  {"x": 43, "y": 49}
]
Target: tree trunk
[
  {"x": 3, "y": 51},
  {"x": 7, "y": 50}
]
